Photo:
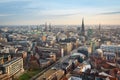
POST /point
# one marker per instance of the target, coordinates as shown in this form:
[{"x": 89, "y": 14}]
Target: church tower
[{"x": 83, "y": 28}]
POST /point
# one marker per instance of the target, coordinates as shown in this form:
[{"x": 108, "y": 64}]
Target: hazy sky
[{"x": 59, "y": 11}]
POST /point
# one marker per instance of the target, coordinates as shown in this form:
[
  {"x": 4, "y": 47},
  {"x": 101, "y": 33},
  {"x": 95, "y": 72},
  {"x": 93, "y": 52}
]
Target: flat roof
[{"x": 10, "y": 62}]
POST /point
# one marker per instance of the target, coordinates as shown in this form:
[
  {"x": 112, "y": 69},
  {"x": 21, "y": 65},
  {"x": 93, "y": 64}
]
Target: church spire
[{"x": 83, "y": 28}]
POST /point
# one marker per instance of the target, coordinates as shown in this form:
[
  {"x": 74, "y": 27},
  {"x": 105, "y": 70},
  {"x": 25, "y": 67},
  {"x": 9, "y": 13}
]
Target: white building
[{"x": 12, "y": 67}]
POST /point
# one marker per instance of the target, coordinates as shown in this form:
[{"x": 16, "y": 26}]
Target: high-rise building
[
  {"x": 50, "y": 27},
  {"x": 45, "y": 27},
  {"x": 83, "y": 28}
]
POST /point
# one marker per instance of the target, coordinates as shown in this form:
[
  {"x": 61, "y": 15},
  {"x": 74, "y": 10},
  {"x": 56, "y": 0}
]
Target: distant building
[
  {"x": 67, "y": 47},
  {"x": 46, "y": 29},
  {"x": 83, "y": 28},
  {"x": 50, "y": 28},
  {"x": 82, "y": 67},
  {"x": 110, "y": 48},
  {"x": 98, "y": 53},
  {"x": 79, "y": 55},
  {"x": 109, "y": 56},
  {"x": 81, "y": 31}
]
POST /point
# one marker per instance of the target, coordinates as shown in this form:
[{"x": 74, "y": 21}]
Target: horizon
[
  {"x": 59, "y": 12},
  {"x": 104, "y": 25}
]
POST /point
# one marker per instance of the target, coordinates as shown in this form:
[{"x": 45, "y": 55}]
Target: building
[
  {"x": 83, "y": 28},
  {"x": 109, "y": 56},
  {"x": 52, "y": 74},
  {"x": 44, "y": 62},
  {"x": 110, "y": 48},
  {"x": 79, "y": 55},
  {"x": 13, "y": 67},
  {"x": 82, "y": 68}
]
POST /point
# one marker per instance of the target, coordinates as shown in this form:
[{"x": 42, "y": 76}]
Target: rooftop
[{"x": 10, "y": 62}]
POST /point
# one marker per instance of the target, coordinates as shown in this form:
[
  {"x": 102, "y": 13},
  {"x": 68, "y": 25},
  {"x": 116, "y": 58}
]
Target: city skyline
[{"x": 15, "y": 12}]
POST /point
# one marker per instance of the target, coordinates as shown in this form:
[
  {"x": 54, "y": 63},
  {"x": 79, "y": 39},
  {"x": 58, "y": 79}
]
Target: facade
[
  {"x": 82, "y": 68},
  {"x": 12, "y": 67},
  {"x": 109, "y": 56},
  {"x": 110, "y": 48}
]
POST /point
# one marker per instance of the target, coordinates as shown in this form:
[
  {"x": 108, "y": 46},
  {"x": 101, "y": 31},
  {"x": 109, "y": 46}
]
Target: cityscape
[{"x": 59, "y": 40}]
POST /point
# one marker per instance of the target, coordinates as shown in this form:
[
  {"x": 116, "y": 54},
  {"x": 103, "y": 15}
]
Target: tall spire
[{"x": 83, "y": 28}]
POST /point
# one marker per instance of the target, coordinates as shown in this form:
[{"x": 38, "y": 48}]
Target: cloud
[
  {"x": 110, "y": 13},
  {"x": 65, "y": 15},
  {"x": 59, "y": 12}
]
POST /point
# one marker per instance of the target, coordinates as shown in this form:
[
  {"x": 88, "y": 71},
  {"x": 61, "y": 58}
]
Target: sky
[{"x": 30, "y": 12}]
